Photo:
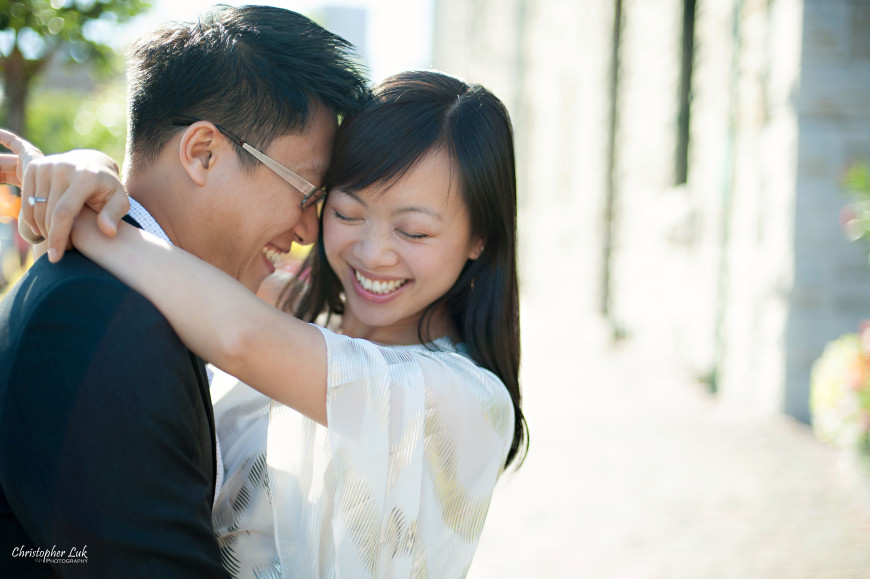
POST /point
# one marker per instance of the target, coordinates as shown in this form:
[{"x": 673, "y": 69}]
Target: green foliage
[
  {"x": 855, "y": 217},
  {"x": 41, "y": 28},
  {"x": 61, "y": 120},
  {"x": 857, "y": 181},
  {"x": 36, "y": 32}
]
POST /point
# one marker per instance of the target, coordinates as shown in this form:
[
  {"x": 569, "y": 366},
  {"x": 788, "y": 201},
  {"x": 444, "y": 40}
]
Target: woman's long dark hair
[{"x": 413, "y": 114}]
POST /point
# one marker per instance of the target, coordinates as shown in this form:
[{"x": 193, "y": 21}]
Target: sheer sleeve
[{"x": 400, "y": 483}]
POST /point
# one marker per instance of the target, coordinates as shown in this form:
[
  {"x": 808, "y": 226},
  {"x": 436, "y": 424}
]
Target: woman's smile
[
  {"x": 398, "y": 251},
  {"x": 376, "y": 288}
]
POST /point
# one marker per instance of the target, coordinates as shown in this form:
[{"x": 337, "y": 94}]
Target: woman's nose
[{"x": 376, "y": 250}]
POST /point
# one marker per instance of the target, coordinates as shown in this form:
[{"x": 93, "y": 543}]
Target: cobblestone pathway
[{"x": 635, "y": 472}]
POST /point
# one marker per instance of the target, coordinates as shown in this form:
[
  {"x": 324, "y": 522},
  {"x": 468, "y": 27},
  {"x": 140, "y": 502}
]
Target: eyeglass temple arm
[
  {"x": 304, "y": 186},
  {"x": 307, "y": 189}
]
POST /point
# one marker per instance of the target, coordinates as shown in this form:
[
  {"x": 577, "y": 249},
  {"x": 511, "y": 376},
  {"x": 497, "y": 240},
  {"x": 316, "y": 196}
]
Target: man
[{"x": 106, "y": 430}]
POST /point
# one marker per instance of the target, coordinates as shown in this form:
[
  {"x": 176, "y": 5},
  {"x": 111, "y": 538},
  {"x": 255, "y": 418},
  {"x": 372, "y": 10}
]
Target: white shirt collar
[{"x": 147, "y": 221}]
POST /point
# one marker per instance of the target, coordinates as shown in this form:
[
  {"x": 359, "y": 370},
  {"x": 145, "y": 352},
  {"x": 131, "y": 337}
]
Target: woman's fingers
[
  {"x": 57, "y": 220},
  {"x": 25, "y": 150},
  {"x": 12, "y": 141},
  {"x": 50, "y": 186},
  {"x": 37, "y": 200},
  {"x": 55, "y": 189},
  {"x": 113, "y": 211},
  {"x": 69, "y": 203},
  {"x": 26, "y": 225},
  {"x": 15, "y": 171},
  {"x": 9, "y": 169},
  {"x": 101, "y": 190}
]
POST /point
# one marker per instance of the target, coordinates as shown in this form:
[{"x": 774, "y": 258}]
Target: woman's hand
[
  {"x": 12, "y": 170},
  {"x": 67, "y": 182}
]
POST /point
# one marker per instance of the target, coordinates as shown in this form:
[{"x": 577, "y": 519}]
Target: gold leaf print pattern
[
  {"x": 463, "y": 514},
  {"x": 358, "y": 510}
]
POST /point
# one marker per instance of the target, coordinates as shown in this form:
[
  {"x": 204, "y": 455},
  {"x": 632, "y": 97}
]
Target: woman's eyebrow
[
  {"x": 353, "y": 196},
  {"x": 419, "y": 209},
  {"x": 401, "y": 210}
]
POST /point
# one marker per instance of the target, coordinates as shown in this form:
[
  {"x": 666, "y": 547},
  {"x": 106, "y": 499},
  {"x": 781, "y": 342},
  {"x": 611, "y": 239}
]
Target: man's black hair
[{"x": 256, "y": 70}]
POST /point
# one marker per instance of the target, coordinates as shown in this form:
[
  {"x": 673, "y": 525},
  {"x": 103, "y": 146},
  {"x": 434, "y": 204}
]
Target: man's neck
[{"x": 141, "y": 188}]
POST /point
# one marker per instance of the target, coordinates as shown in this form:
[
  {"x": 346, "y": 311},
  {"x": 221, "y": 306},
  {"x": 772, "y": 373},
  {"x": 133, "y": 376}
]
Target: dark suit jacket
[{"x": 106, "y": 431}]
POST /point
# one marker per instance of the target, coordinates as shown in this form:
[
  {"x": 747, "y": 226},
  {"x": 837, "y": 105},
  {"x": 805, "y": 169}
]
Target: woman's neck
[{"x": 404, "y": 333}]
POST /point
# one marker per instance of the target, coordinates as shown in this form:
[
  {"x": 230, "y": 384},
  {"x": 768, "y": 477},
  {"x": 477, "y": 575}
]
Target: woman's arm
[{"x": 216, "y": 316}]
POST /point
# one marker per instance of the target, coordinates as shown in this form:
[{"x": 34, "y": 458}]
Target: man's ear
[{"x": 198, "y": 145}]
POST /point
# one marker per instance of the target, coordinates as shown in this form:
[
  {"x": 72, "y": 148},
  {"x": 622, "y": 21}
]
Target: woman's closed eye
[
  {"x": 343, "y": 217},
  {"x": 413, "y": 236}
]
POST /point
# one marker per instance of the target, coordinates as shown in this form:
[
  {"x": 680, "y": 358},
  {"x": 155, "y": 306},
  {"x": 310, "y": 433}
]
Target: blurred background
[{"x": 693, "y": 208}]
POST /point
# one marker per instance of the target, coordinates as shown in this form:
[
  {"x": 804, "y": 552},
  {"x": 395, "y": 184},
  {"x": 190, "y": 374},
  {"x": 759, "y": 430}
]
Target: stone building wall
[
  {"x": 831, "y": 291},
  {"x": 757, "y": 217},
  {"x": 740, "y": 273},
  {"x": 548, "y": 62},
  {"x": 654, "y": 286}
]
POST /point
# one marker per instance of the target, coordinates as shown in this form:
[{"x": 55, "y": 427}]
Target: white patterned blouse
[{"x": 398, "y": 485}]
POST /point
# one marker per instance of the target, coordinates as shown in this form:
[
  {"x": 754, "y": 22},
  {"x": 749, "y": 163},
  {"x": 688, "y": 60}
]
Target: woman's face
[{"x": 396, "y": 252}]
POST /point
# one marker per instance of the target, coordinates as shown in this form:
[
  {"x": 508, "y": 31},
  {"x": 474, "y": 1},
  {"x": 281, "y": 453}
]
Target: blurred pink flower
[
  {"x": 847, "y": 214},
  {"x": 856, "y": 374},
  {"x": 864, "y": 334},
  {"x": 850, "y": 223}
]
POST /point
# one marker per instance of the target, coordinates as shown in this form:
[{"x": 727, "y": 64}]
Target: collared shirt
[
  {"x": 146, "y": 220},
  {"x": 149, "y": 224}
]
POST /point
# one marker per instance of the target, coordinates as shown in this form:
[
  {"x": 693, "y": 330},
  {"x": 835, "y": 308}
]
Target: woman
[{"x": 380, "y": 447}]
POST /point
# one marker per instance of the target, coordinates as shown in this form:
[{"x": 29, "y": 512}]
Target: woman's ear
[
  {"x": 477, "y": 247},
  {"x": 195, "y": 151}
]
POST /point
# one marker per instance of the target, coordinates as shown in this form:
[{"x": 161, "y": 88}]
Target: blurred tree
[
  {"x": 32, "y": 32},
  {"x": 59, "y": 120}
]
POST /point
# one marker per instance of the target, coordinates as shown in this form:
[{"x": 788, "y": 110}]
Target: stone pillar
[
  {"x": 831, "y": 286},
  {"x": 548, "y": 61}
]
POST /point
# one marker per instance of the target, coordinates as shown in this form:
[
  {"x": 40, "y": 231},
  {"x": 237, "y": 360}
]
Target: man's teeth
[
  {"x": 379, "y": 287},
  {"x": 273, "y": 255}
]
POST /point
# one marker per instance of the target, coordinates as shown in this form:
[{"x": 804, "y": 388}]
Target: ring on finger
[{"x": 34, "y": 200}]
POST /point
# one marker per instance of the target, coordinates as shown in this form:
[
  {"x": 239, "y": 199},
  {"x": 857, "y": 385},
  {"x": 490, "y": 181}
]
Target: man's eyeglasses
[{"x": 311, "y": 194}]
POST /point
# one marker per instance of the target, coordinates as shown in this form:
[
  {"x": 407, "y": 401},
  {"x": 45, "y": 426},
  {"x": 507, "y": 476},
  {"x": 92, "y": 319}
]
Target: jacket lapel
[{"x": 204, "y": 392}]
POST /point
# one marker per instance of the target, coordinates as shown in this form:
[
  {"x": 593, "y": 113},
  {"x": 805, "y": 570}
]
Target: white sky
[{"x": 399, "y": 32}]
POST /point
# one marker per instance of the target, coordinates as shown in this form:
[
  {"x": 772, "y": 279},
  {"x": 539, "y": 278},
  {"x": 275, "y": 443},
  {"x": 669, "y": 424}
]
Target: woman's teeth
[
  {"x": 379, "y": 287},
  {"x": 273, "y": 255}
]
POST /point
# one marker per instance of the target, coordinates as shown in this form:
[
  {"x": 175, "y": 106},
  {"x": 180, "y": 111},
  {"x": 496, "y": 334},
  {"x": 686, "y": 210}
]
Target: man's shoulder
[
  {"x": 78, "y": 312},
  {"x": 73, "y": 272},
  {"x": 73, "y": 265},
  {"x": 75, "y": 291}
]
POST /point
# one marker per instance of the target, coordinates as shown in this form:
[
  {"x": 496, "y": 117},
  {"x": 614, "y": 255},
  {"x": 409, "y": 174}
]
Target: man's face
[{"x": 254, "y": 216}]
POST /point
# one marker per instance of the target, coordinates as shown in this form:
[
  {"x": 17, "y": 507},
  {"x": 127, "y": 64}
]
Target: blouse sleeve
[{"x": 418, "y": 439}]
